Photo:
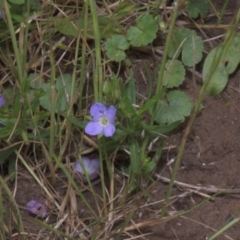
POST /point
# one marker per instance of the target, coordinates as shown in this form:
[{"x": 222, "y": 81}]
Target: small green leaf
[
  {"x": 189, "y": 43},
  {"x": 6, "y": 153},
  {"x": 195, "y": 8},
  {"x": 12, "y": 167},
  {"x": 63, "y": 89},
  {"x": 232, "y": 57},
  {"x": 115, "y": 47},
  {"x": 35, "y": 80},
  {"x": 145, "y": 31},
  {"x": 135, "y": 159},
  {"x": 175, "y": 44},
  {"x": 131, "y": 90},
  {"x": 176, "y": 107},
  {"x": 220, "y": 77},
  {"x": 192, "y": 49},
  {"x": 174, "y": 74}
]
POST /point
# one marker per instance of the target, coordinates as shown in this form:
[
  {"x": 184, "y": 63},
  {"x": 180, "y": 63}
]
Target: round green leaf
[
  {"x": 115, "y": 47},
  {"x": 176, "y": 107},
  {"x": 174, "y": 74}
]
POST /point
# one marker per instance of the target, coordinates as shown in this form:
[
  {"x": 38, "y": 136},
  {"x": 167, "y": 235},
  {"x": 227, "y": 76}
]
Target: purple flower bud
[
  {"x": 2, "y": 101},
  {"x": 91, "y": 166},
  {"x": 37, "y": 208}
]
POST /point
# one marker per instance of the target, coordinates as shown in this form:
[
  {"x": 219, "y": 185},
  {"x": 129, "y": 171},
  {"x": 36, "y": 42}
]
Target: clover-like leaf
[
  {"x": 176, "y": 107},
  {"x": 145, "y": 31},
  {"x": 174, "y": 74},
  {"x": 195, "y": 8},
  {"x": 115, "y": 47}
]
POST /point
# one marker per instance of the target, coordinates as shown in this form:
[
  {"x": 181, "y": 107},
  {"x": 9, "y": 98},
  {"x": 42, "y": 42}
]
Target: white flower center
[{"x": 104, "y": 121}]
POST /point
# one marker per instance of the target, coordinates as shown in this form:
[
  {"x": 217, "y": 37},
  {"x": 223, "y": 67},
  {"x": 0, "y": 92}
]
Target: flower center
[{"x": 104, "y": 121}]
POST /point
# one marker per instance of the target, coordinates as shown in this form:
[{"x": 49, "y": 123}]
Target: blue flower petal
[
  {"x": 109, "y": 130},
  {"x": 93, "y": 128},
  {"x": 97, "y": 110},
  {"x": 2, "y": 101},
  {"x": 91, "y": 165},
  {"x": 110, "y": 113},
  {"x": 37, "y": 208}
]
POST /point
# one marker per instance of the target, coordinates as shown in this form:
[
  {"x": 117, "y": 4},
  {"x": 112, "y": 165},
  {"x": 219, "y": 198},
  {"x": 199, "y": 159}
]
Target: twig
[{"x": 198, "y": 188}]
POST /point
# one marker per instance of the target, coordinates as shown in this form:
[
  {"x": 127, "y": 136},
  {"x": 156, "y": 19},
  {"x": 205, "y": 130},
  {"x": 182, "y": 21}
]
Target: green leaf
[
  {"x": 163, "y": 128},
  {"x": 107, "y": 27},
  {"x": 175, "y": 43},
  {"x": 195, "y": 8},
  {"x": 63, "y": 87},
  {"x": 12, "y": 167},
  {"x": 17, "y": 1},
  {"x": 176, "y": 107},
  {"x": 131, "y": 90},
  {"x": 35, "y": 80},
  {"x": 220, "y": 77},
  {"x": 6, "y": 153},
  {"x": 174, "y": 73},
  {"x": 76, "y": 122},
  {"x": 134, "y": 157},
  {"x": 126, "y": 108},
  {"x": 145, "y": 31},
  {"x": 115, "y": 47},
  {"x": 232, "y": 57},
  {"x": 192, "y": 49},
  {"x": 186, "y": 41},
  {"x": 228, "y": 64}
]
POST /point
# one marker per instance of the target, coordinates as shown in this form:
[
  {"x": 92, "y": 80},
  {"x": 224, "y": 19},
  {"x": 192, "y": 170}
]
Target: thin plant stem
[
  {"x": 14, "y": 42},
  {"x": 52, "y": 113},
  {"x": 102, "y": 142},
  {"x": 83, "y": 57},
  {"x": 97, "y": 75}
]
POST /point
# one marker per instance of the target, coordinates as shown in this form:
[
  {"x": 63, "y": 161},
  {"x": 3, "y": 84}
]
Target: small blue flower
[
  {"x": 102, "y": 120},
  {"x": 37, "y": 208},
  {"x": 91, "y": 166},
  {"x": 2, "y": 101}
]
